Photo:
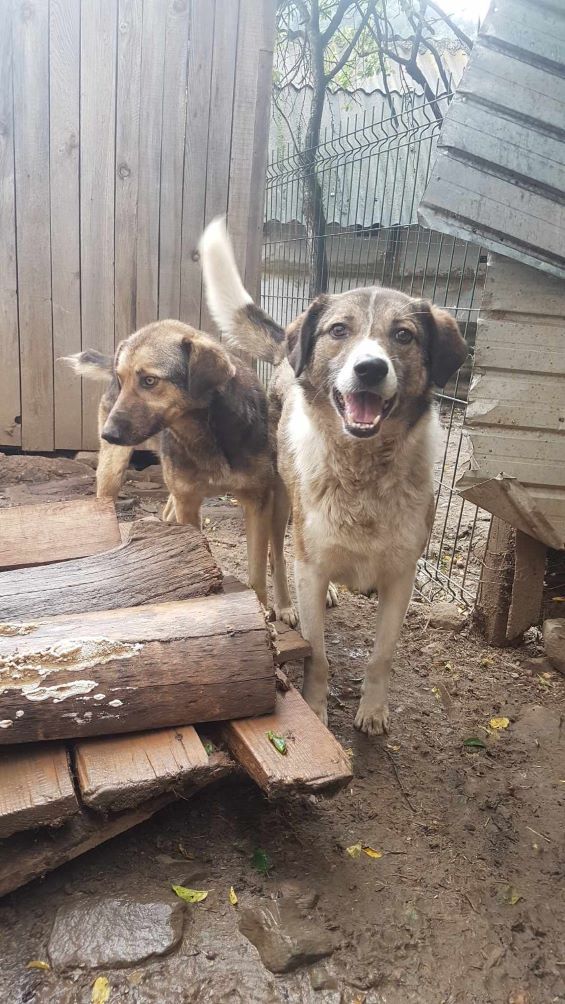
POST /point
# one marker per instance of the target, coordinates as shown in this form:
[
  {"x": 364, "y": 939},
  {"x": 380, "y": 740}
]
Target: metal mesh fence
[{"x": 370, "y": 178}]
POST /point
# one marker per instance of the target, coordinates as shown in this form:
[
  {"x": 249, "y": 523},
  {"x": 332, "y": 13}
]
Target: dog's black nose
[
  {"x": 371, "y": 370},
  {"x": 112, "y": 436}
]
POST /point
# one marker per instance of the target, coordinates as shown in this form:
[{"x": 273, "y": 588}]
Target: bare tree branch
[
  {"x": 349, "y": 48},
  {"x": 457, "y": 31},
  {"x": 335, "y": 23}
]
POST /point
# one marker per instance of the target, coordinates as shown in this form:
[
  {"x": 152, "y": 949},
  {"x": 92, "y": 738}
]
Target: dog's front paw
[
  {"x": 320, "y": 708},
  {"x": 287, "y": 615},
  {"x": 332, "y": 596},
  {"x": 372, "y": 719}
]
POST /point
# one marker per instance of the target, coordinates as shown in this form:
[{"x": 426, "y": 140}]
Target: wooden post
[{"x": 511, "y": 588}]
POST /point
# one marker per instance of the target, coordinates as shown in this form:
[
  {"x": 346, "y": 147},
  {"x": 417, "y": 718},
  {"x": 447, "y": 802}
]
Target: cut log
[
  {"x": 134, "y": 669},
  {"x": 28, "y": 855},
  {"x": 36, "y": 789},
  {"x": 118, "y": 773},
  {"x": 158, "y": 562},
  {"x": 314, "y": 760},
  {"x": 56, "y": 531},
  {"x": 59, "y": 490},
  {"x": 290, "y": 645}
]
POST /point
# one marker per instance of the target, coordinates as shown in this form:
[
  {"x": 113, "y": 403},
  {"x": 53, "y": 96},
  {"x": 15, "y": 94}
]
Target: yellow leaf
[
  {"x": 232, "y": 896},
  {"x": 349, "y": 752},
  {"x": 190, "y": 895},
  {"x": 499, "y": 723},
  {"x": 354, "y": 851},
  {"x": 371, "y": 852},
  {"x": 38, "y": 964},
  {"x": 509, "y": 894},
  {"x": 100, "y": 990}
]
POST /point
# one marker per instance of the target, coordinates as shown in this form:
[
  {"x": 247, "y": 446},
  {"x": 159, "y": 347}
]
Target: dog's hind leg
[
  {"x": 112, "y": 465},
  {"x": 284, "y": 610},
  {"x": 311, "y": 586},
  {"x": 258, "y": 515},
  {"x": 394, "y": 597}
]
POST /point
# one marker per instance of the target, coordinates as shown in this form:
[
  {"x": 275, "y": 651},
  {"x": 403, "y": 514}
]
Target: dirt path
[{"x": 466, "y": 903}]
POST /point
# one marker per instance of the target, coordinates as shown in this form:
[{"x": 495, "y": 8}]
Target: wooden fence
[{"x": 125, "y": 126}]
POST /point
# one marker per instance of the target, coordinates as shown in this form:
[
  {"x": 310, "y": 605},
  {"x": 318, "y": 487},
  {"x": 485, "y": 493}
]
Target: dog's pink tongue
[{"x": 363, "y": 408}]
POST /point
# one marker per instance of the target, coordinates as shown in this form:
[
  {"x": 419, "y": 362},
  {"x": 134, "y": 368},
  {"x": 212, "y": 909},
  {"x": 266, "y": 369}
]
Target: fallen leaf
[
  {"x": 509, "y": 894},
  {"x": 474, "y": 743},
  {"x": 260, "y": 861},
  {"x": 279, "y": 742},
  {"x": 232, "y": 896},
  {"x": 354, "y": 851},
  {"x": 349, "y": 752},
  {"x": 100, "y": 990},
  {"x": 38, "y": 964},
  {"x": 209, "y": 747},
  {"x": 499, "y": 723},
  {"x": 186, "y": 854},
  {"x": 371, "y": 852},
  {"x": 190, "y": 895}
]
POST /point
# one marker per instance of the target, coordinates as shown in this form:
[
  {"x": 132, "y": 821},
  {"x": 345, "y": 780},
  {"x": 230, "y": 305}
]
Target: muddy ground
[{"x": 466, "y": 905}]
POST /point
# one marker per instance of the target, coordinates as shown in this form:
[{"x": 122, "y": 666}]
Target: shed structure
[
  {"x": 126, "y": 125},
  {"x": 499, "y": 180}
]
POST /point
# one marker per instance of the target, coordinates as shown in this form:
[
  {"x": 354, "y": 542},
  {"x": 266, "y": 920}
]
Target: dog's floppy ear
[
  {"x": 447, "y": 348},
  {"x": 301, "y": 335},
  {"x": 209, "y": 367}
]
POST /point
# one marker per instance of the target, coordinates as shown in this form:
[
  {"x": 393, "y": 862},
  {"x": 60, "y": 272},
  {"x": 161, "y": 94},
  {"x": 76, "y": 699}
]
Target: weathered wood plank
[
  {"x": 97, "y": 166},
  {"x": 517, "y": 289},
  {"x": 314, "y": 760},
  {"x": 26, "y": 856},
  {"x": 158, "y": 562},
  {"x": 10, "y": 406},
  {"x": 145, "y": 667},
  {"x": 527, "y": 586},
  {"x": 172, "y": 156},
  {"x": 36, "y": 790},
  {"x": 290, "y": 646},
  {"x": 152, "y": 74},
  {"x": 121, "y": 772},
  {"x": 33, "y": 234},
  {"x": 128, "y": 119},
  {"x": 220, "y": 120},
  {"x": 56, "y": 531},
  {"x": 196, "y": 155},
  {"x": 64, "y": 133}
]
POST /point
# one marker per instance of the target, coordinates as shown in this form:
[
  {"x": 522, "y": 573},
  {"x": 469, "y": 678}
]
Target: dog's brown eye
[
  {"x": 403, "y": 336},
  {"x": 148, "y": 381},
  {"x": 339, "y": 331}
]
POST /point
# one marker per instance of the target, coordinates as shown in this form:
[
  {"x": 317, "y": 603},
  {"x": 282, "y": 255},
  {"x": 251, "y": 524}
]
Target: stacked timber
[{"x": 111, "y": 655}]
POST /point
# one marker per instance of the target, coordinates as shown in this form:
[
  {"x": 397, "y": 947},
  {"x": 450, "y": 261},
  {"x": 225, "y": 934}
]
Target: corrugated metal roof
[{"x": 499, "y": 178}]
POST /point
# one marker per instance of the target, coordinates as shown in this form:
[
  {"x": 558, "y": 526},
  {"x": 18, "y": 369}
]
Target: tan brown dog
[
  {"x": 209, "y": 412},
  {"x": 356, "y": 443}
]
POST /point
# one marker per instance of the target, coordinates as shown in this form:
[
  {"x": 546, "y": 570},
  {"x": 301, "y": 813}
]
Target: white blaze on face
[{"x": 347, "y": 381}]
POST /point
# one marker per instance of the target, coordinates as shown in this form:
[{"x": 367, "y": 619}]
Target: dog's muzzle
[{"x": 118, "y": 432}]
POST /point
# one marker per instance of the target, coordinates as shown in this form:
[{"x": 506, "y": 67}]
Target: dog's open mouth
[{"x": 362, "y": 411}]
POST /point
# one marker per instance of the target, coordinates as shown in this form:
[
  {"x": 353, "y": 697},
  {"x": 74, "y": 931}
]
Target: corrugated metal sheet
[
  {"x": 499, "y": 178},
  {"x": 516, "y": 413}
]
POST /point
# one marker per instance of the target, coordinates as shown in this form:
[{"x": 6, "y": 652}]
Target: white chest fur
[{"x": 360, "y": 518}]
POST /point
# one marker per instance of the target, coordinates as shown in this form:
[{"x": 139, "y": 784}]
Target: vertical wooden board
[
  {"x": 33, "y": 236},
  {"x": 128, "y": 83},
  {"x": 250, "y": 136},
  {"x": 493, "y": 600},
  {"x": 97, "y": 161},
  {"x": 64, "y": 132},
  {"x": 172, "y": 155},
  {"x": 527, "y": 587},
  {"x": 220, "y": 123},
  {"x": 152, "y": 73},
  {"x": 195, "y": 157},
  {"x": 10, "y": 410},
  {"x": 36, "y": 790}
]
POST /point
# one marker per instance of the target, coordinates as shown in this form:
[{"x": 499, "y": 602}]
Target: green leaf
[
  {"x": 278, "y": 742},
  {"x": 475, "y": 743},
  {"x": 260, "y": 861},
  {"x": 209, "y": 747},
  {"x": 190, "y": 895}
]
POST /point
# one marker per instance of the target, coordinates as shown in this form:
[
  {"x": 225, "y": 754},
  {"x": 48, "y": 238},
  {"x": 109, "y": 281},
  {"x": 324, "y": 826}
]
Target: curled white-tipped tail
[
  {"x": 244, "y": 325},
  {"x": 91, "y": 364}
]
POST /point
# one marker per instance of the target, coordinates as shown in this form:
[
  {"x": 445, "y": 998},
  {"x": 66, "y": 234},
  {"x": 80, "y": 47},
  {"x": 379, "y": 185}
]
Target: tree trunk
[
  {"x": 140, "y": 668},
  {"x": 313, "y": 200}
]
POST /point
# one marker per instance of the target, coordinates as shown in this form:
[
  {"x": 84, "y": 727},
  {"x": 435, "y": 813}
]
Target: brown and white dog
[
  {"x": 356, "y": 442},
  {"x": 209, "y": 412}
]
